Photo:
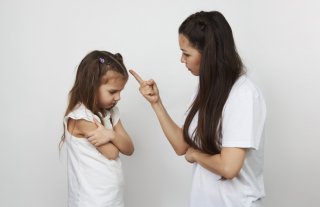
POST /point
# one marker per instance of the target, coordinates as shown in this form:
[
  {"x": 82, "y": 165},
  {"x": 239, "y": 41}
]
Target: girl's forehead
[
  {"x": 114, "y": 78},
  {"x": 109, "y": 75},
  {"x": 112, "y": 74}
]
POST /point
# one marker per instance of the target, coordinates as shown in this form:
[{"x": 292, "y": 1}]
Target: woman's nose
[{"x": 182, "y": 59}]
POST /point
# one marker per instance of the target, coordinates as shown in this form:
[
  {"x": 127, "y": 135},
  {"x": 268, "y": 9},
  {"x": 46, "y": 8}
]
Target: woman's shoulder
[
  {"x": 245, "y": 86},
  {"x": 245, "y": 91}
]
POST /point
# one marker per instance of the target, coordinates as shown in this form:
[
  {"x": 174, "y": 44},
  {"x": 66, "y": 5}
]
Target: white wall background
[{"x": 42, "y": 42}]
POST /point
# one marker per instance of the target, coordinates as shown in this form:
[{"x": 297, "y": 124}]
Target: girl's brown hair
[{"x": 89, "y": 77}]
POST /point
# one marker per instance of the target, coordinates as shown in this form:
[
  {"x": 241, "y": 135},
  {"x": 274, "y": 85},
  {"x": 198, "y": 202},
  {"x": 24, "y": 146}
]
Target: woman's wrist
[{"x": 157, "y": 104}]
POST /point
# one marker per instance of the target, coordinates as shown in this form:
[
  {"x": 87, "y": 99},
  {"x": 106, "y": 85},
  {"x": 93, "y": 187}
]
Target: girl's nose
[{"x": 117, "y": 97}]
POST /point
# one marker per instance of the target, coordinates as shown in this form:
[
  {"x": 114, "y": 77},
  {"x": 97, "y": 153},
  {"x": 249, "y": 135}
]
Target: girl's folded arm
[
  {"x": 79, "y": 128},
  {"x": 122, "y": 139}
]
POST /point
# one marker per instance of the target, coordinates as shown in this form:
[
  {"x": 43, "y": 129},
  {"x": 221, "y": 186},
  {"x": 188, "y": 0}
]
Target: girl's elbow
[
  {"x": 112, "y": 156},
  {"x": 129, "y": 152}
]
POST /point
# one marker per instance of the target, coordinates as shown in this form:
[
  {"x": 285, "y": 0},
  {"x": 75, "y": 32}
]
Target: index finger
[{"x": 136, "y": 76}]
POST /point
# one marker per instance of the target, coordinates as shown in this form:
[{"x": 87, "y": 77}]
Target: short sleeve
[
  {"x": 81, "y": 112},
  {"x": 243, "y": 117},
  {"x": 115, "y": 115}
]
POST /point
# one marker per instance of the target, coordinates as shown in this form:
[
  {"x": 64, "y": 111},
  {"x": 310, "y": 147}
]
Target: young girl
[
  {"x": 94, "y": 134},
  {"x": 223, "y": 131}
]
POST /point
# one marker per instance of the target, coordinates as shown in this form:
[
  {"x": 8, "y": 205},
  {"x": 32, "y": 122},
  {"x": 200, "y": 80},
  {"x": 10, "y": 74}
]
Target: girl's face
[
  {"x": 109, "y": 93},
  {"x": 191, "y": 57}
]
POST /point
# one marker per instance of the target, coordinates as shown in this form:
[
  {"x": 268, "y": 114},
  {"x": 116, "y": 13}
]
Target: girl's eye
[
  {"x": 112, "y": 92},
  {"x": 187, "y": 55}
]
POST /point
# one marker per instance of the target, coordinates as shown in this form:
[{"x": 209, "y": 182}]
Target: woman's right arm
[{"x": 171, "y": 130}]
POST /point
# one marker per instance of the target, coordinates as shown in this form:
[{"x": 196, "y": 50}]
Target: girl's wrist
[{"x": 113, "y": 137}]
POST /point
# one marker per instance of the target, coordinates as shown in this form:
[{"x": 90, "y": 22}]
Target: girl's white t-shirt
[
  {"x": 93, "y": 180},
  {"x": 243, "y": 121}
]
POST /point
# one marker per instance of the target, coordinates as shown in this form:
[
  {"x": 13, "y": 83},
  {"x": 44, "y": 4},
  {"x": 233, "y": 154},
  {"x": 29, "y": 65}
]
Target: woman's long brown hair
[
  {"x": 89, "y": 77},
  {"x": 220, "y": 67}
]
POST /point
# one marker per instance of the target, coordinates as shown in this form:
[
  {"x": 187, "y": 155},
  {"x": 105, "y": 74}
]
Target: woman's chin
[{"x": 194, "y": 73}]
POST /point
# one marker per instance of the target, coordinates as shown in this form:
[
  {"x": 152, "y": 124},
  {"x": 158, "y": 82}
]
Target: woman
[{"x": 223, "y": 130}]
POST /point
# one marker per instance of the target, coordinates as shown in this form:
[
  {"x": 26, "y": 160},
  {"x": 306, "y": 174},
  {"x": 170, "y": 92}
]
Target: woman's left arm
[{"x": 227, "y": 164}]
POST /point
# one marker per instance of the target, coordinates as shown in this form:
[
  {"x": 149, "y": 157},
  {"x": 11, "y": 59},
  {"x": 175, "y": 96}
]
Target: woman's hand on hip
[
  {"x": 147, "y": 88},
  {"x": 190, "y": 155}
]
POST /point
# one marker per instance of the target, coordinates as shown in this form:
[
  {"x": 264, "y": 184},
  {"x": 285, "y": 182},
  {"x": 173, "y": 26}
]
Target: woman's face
[{"x": 191, "y": 57}]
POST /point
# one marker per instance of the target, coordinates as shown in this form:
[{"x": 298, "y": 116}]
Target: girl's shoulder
[
  {"x": 115, "y": 111},
  {"x": 80, "y": 111},
  {"x": 115, "y": 114}
]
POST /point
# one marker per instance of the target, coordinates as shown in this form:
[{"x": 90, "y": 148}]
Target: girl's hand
[
  {"x": 190, "y": 155},
  {"x": 101, "y": 135},
  {"x": 148, "y": 88}
]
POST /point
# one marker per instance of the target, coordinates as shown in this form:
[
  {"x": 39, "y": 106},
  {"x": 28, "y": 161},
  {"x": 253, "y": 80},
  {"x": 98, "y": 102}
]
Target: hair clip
[{"x": 101, "y": 60}]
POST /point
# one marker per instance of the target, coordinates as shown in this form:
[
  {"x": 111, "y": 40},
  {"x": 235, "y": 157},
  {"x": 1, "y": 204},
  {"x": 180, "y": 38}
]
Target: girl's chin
[{"x": 110, "y": 106}]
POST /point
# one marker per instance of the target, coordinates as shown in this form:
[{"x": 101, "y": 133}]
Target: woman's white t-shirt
[
  {"x": 243, "y": 121},
  {"x": 93, "y": 180}
]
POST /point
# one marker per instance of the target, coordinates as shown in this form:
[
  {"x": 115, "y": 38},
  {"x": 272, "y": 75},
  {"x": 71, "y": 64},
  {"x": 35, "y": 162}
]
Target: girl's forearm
[
  {"x": 124, "y": 144},
  {"x": 108, "y": 150}
]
